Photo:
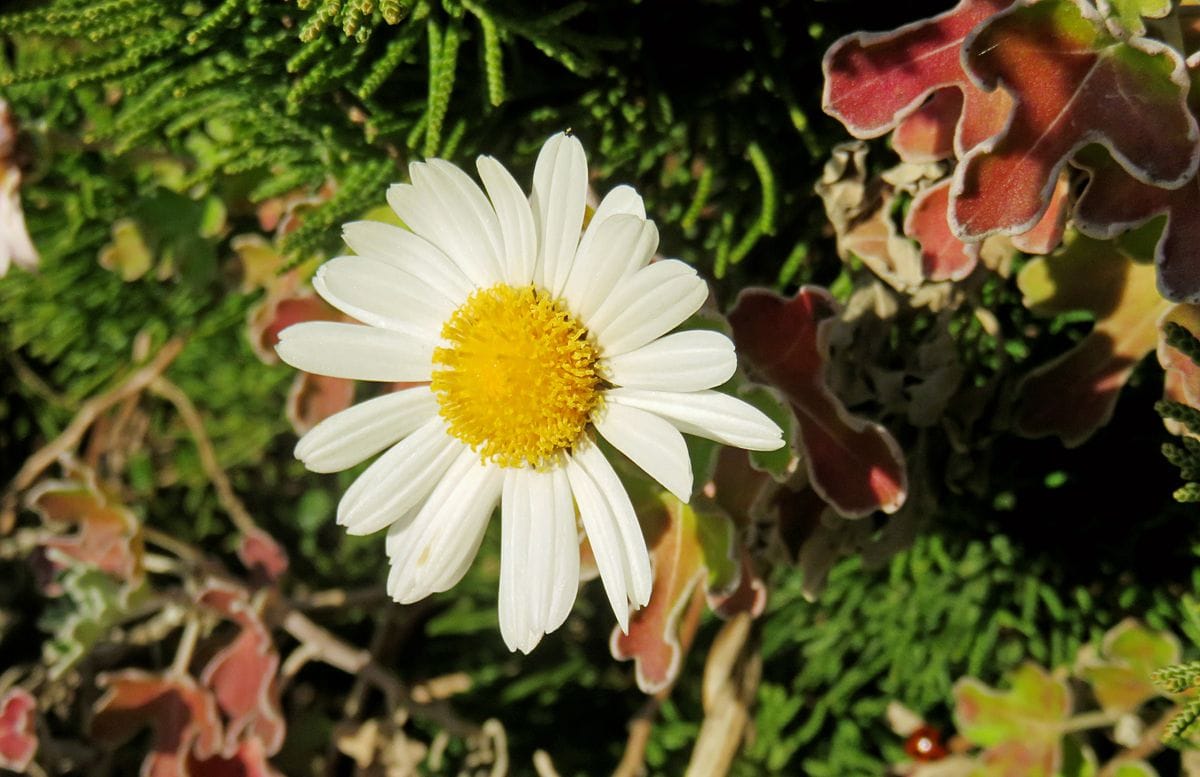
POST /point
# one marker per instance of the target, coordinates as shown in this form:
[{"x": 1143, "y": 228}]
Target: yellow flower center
[{"x": 518, "y": 381}]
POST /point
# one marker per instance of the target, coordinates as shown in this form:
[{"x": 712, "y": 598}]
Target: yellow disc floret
[{"x": 517, "y": 380}]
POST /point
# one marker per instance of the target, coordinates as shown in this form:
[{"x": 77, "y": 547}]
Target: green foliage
[
  {"x": 330, "y": 90},
  {"x": 1186, "y": 453}
]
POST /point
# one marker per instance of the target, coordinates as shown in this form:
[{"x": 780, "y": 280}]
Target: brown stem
[
  {"x": 633, "y": 761},
  {"x": 208, "y": 456},
  {"x": 340, "y": 598},
  {"x": 70, "y": 437},
  {"x": 34, "y": 382},
  {"x": 332, "y": 650}
]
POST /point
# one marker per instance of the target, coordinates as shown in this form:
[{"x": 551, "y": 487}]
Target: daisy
[{"x": 531, "y": 336}]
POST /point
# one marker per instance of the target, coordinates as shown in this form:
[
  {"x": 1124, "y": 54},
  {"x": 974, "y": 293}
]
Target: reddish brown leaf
[
  {"x": 853, "y": 463},
  {"x": 181, "y": 715},
  {"x": 660, "y": 633},
  {"x": 107, "y": 534},
  {"x": 1047, "y": 234},
  {"x": 1073, "y": 84},
  {"x": 18, "y": 737},
  {"x": 874, "y": 80},
  {"x": 1075, "y": 394},
  {"x": 737, "y": 485},
  {"x": 284, "y": 214},
  {"x": 1114, "y": 202},
  {"x": 242, "y": 674},
  {"x": 313, "y": 398},
  {"x": 249, "y": 761},
  {"x": 278, "y": 312},
  {"x": 927, "y": 134},
  {"x": 262, "y": 555},
  {"x": 943, "y": 256},
  {"x": 750, "y": 595}
]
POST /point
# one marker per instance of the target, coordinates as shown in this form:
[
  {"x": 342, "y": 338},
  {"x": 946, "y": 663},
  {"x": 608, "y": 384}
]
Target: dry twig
[
  {"x": 70, "y": 437},
  {"x": 208, "y": 456}
]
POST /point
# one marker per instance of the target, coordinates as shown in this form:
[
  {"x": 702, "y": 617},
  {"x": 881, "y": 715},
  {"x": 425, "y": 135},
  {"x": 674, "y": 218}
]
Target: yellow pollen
[{"x": 518, "y": 380}]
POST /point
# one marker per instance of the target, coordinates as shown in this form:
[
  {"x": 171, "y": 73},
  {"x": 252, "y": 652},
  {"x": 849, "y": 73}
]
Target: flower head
[{"x": 532, "y": 335}]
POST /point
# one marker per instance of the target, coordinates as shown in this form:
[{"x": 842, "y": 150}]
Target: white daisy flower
[{"x": 533, "y": 335}]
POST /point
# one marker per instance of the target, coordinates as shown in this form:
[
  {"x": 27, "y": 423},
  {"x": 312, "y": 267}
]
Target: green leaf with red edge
[
  {"x": 943, "y": 256},
  {"x": 1073, "y": 84},
  {"x": 127, "y": 255},
  {"x": 181, "y": 715},
  {"x": 1114, "y": 202},
  {"x": 1124, "y": 17},
  {"x": 261, "y": 262},
  {"x": 18, "y": 736},
  {"x": 1021, "y": 728},
  {"x": 1074, "y": 395},
  {"x": 853, "y": 463},
  {"x": 92, "y": 603},
  {"x": 107, "y": 536},
  {"x": 693, "y": 545},
  {"x": 875, "y": 80},
  {"x": 780, "y": 462},
  {"x": 1119, "y": 672},
  {"x": 242, "y": 675},
  {"x": 1181, "y": 379}
]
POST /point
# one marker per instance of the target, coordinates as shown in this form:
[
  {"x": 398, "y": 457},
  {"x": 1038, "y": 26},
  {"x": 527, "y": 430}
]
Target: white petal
[
  {"x": 564, "y": 583},
  {"x": 623, "y": 200},
  {"x": 620, "y": 199},
  {"x": 539, "y": 556},
  {"x": 683, "y": 361},
  {"x": 435, "y": 213},
  {"x": 399, "y": 479},
  {"x": 602, "y": 262},
  {"x": 411, "y": 253},
  {"x": 647, "y": 305},
  {"x": 652, "y": 444},
  {"x": 518, "y": 611},
  {"x": 355, "y": 352},
  {"x": 357, "y": 433},
  {"x": 432, "y": 551},
  {"x": 481, "y": 225},
  {"x": 602, "y": 533},
  {"x": 516, "y": 221},
  {"x": 633, "y": 544},
  {"x": 708, "y": 414},
  {"x": 380, "y": 295},
  {"x": 558, "y": 200}
]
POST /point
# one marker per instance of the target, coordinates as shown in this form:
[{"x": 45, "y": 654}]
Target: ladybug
[{"x": 925, "y": 744}]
